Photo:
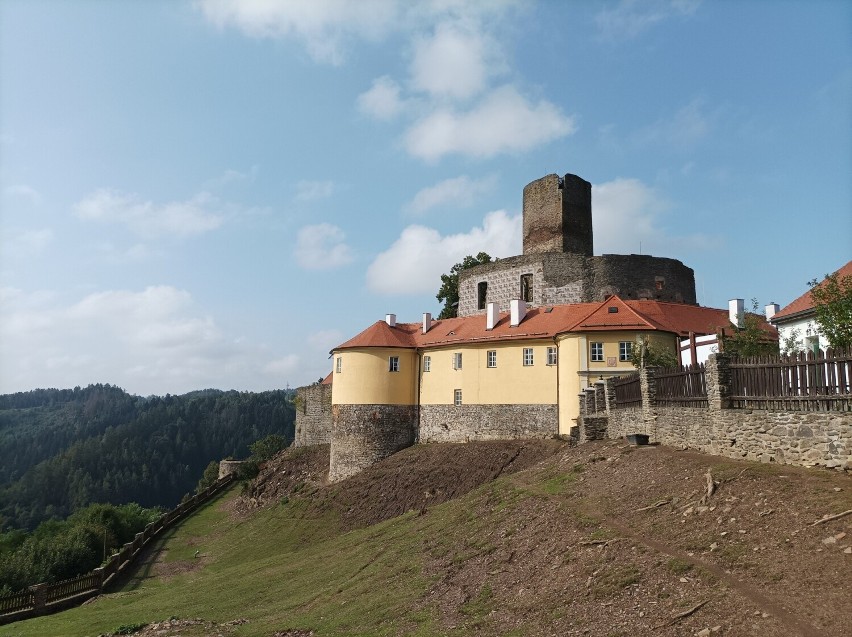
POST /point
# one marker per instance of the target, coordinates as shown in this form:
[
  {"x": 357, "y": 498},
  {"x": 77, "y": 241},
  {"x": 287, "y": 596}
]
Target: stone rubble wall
[
  {"x": 361, "y": 435},
  {"x": 802, "y": 438},
  {"x": 464, "y": 423},
  {"x": 313, "y": 415}
]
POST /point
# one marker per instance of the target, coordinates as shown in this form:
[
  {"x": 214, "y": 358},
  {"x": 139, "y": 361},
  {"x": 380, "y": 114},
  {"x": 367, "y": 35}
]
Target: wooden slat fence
[
  {"x": 17, "y": 601},
  {"x": 800, "y": 382},
  {"x": 628, "y": 392},
  {"x": 682, "y": 386},
  {"x": 72, "y": 587}
]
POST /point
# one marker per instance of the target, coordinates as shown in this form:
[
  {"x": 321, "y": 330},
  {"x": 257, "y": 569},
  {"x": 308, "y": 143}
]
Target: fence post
[
  {"x": 648, "y": 388},
  {"x": 100, "y": 577},
  {"x": 39, "y": 597},
  {"x": 609, "y": 394},
  {"x": 718, "y": 377},
  {"x": 600, "y": 397}
]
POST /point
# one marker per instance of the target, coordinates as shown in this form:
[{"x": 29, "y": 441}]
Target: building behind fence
[
  {"x": 791, "y": 410},
  {"x": 43, "y": 599}
]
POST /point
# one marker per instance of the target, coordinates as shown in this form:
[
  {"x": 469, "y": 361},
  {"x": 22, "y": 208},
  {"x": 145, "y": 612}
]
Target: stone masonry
[
  {"x": 313, "y": 415},
  {"x": 464, "y": 423}
]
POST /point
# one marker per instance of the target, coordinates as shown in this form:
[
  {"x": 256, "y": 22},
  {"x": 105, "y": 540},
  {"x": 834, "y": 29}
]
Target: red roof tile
[
  {"x": 328, "y": 379},
  {"x": 806, "y": 302},
  {"x": 546, "y": 322}
]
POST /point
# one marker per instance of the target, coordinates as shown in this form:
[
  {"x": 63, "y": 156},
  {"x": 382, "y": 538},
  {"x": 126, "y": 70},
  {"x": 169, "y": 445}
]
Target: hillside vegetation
[
  {"x": 600, "y": 539},
  {"x": 65, "y": 449}
]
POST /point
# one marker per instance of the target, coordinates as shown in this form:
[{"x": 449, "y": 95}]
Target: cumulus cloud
[
  {"x": 154, "y": 340},
  {"x": 147, "y": 219},
  {"x": 504, "y": 122},
  {"x": 454, "y": 62},
  {"x": 28, "y": 243},
  {"x": 417, "y": 259},
  {"x": 382, "y": 100},
  {"x": 629, "y": 219},
  {"x": 322, "y": 247},
  {"x": 313, "y": 190},
  {"x": 323, "y": 26},
  {"x": 24, "y": 192},
  {"x": 458, "y": 192},
  {"x": 630, "y": 18}
]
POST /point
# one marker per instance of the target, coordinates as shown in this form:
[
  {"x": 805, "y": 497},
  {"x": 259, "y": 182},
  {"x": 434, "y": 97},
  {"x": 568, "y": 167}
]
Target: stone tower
[{"x": 558, "y": 215}]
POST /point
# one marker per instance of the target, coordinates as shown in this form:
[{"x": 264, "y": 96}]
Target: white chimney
[
  {"x": 390, "y": 319},
  {"x": 772, "y": 310},
  {"x": 519, "y": 311},
  {"x": 427, "y": 321},
  {"x": 736, "y": 312},
  {"x": 492, "y": 316}
]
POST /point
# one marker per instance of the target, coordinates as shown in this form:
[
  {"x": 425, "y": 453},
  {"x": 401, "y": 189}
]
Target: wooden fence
[
  {"x": 682, "y": 386},
  {"x": 43, "y": 599},
  {"x": 801, "y": 382},
  {"x": 628, "y": 391}
]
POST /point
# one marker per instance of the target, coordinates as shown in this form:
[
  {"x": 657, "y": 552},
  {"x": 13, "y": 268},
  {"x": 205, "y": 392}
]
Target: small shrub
[{"x": 128, "y": 629}]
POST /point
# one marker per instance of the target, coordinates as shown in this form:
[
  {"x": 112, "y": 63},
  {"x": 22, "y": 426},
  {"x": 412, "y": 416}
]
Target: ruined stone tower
[{"x": 558, "y": 215}]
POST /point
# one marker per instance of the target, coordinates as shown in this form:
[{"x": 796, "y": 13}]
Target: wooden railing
[
  {"x": 46, "y": 598},
  {"x": 628, "y": 391},
  {"x": 682, "y": 386},
  {"x": 801, "y": 382}
]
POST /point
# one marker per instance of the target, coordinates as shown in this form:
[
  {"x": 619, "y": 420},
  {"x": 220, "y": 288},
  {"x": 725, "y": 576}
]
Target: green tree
[
  {"x": 832, "y": 299},
  {"x": 648, "y": 354},
  {"x": 210, "y": 475},
  {"x": 751, "y": 339},
  {"x": 449, "y": 291}
]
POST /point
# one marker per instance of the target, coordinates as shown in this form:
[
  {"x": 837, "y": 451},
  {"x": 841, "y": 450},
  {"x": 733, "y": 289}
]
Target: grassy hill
[{"x": 600, "y": 539}]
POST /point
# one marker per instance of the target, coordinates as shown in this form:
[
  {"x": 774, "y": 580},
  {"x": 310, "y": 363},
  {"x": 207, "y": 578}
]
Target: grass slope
[{"x": 560, "y": 548}]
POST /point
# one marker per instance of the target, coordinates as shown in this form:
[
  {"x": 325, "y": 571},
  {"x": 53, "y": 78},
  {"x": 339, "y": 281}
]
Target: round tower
[{"x": 558, "y": 215}]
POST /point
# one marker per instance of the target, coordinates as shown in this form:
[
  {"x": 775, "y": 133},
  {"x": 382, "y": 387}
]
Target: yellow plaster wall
[
  {"x": 570, "y": 349},
  {"x": 510, "y": 383},
  {"x": 364, "y": 378}
]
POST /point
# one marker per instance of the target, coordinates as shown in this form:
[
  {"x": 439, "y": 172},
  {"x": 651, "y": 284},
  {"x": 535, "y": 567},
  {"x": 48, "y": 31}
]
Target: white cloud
[
  {"x": 313, "y": 190},
  {"x": 687, "y": 126},
  {"x": 382, "y": 100},
  {"x": 503, "y": 122},
  {"x": 454, "y": 62},
  {"x": 458, "y": 192},
  {"x": 323, "y": 26},
  {"x": 231, "y": 176},
  {"x": 149, "y": 220},
  {"x": 156, "y": 340},
  {"x": 415, "y": 261},
  {"x": 24, "y": 192},
  {"x": 28, "y": 244},
  {"x": 324, "y": 340},
  {"x": 629, "y": 219},
  {"x": 322, "y": 247},
  {"x": 632, "y": 17}
]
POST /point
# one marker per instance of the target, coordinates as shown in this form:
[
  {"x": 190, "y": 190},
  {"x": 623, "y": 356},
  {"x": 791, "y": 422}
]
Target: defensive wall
[
  {"x": 809, "y": 431},
  {"x": 313, "y": 415}
]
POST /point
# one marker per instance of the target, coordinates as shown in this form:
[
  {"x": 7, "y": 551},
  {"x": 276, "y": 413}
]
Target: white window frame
[
  {"x": 491, "y": 358},
  {"x": 339, "y": 364},
  {"x": 427, "y": 363},
  {"x": 393, "y": 363},
  {"x": 596, "y": 352},
  {"x": 457, "y": 360},
  {"x": 529, "y": 358},
  {"x": 625, "y": 349},
  {"x": 457, "y": 397},
  {"x": 552, "y": 356}
]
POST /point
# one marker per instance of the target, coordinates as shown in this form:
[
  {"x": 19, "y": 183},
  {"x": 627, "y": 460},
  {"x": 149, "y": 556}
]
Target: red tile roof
[
  {"x": 805, "y": 302},
  {"x": 548, "y": 321},
  {"x": 328, "y": 379}
]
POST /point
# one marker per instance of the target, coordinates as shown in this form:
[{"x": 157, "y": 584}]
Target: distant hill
[{"x": 64, "y": 449}]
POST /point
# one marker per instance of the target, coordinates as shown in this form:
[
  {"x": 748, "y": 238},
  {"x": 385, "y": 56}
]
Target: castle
[{"x": 532, "y": 332}]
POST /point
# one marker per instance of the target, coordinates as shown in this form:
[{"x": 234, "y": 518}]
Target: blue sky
[{"x": 215, "y": 193}]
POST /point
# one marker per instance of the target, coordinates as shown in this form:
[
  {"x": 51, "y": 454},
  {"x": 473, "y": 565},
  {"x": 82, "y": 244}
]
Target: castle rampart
[{"x": 313, "y": 415}]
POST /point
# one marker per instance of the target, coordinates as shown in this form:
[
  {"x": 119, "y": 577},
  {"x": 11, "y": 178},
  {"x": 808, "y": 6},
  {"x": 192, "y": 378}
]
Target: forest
[{"x": 63, "y": 450}]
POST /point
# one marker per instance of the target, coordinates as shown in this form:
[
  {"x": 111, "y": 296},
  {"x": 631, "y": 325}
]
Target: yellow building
[{"x": 515, "y": 374}]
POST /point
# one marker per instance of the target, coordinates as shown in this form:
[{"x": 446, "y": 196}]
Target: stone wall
[
  {"x": 313, "y": 415},
  {"x": 229, "y": 467},
  {"x": 560, "y": 278},
  {"x": 463, "y": 423},
  {"x": 804, "y": 438},
  {"x": 361, "y": 435}
]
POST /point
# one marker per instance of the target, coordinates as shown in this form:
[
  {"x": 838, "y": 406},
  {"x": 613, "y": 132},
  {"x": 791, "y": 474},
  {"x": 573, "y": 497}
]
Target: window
[
  {"x": 339, "y": 364},
  {"x": 625, "y": 348},
  {"x": 481, "y": 294},
  {"x": 427, "y": 363},
  {"x": 491, "y": 358},
  {"x": 597, "y": 352},
  {"x": 551, "y": 356},
  {"x": 393, "y": 364},
  {"x": 527, "y": 287},
  {"x": 457, "y": 360},
  {"x": 528, "y": 356},
  {"x": 457, "y": 400}
]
